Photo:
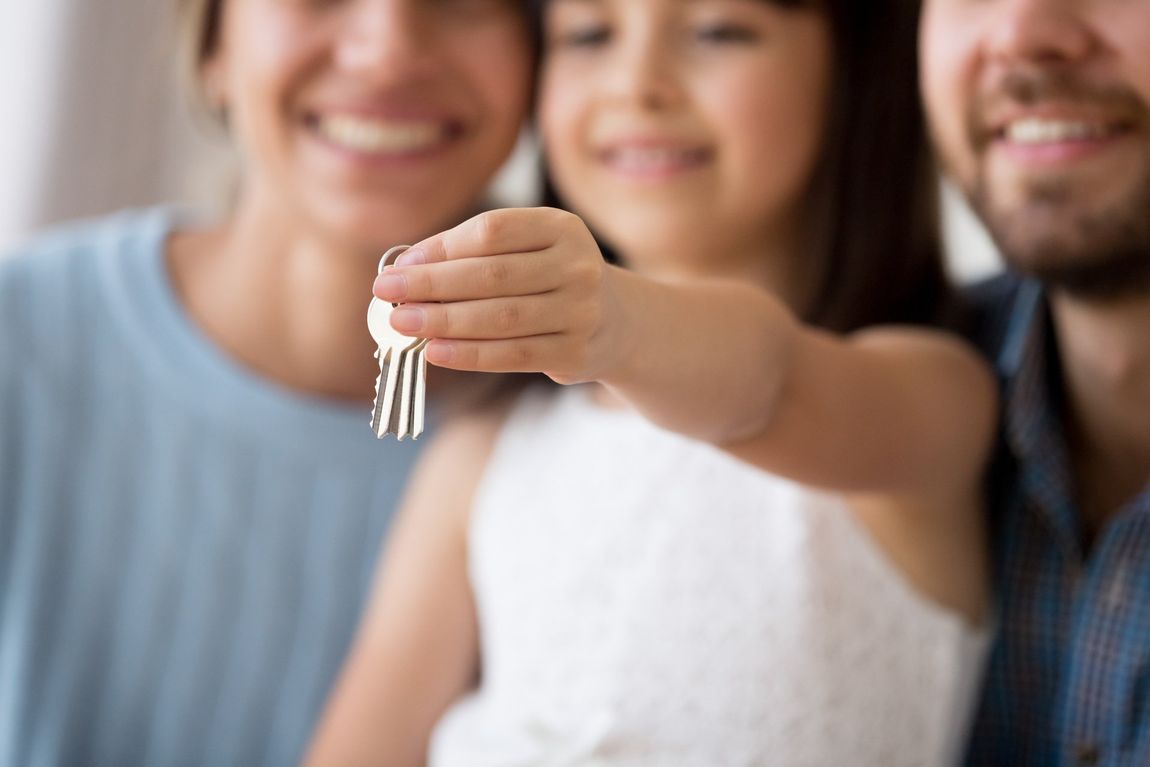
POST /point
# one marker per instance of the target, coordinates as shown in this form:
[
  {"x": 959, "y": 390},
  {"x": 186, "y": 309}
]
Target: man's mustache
[{"x": 1023, "y": 87}]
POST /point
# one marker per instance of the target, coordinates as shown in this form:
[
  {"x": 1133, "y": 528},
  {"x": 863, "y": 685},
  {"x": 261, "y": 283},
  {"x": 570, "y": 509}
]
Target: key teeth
[
  {"x": 376, "y": 421},
  {"x": 399, "y": 389}
]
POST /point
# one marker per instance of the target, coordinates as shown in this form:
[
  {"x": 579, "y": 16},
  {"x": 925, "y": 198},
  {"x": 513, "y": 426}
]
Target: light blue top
[{"x": 184, "y": 547}]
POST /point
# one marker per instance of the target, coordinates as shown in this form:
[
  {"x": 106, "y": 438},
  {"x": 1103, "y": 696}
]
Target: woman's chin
[{"x": 377, "y": 227}]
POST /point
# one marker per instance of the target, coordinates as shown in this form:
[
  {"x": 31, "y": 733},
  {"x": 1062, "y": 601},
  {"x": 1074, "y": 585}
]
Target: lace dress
[{"x": 647, "y": 600}]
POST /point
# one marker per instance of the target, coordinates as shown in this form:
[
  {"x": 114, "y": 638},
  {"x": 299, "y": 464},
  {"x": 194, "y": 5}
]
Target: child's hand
[{"x": 522, "y": 290}]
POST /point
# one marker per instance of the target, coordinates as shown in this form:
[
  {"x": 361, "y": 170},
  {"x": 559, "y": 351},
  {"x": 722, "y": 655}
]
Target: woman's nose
[{"x": 385, "y": 36}]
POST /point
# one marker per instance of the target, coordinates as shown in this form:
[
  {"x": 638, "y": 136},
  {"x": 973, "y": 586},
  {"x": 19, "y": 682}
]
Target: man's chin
[
  {"x": 1098, "y": 254},
  {"x": 1115, "y": 276}
]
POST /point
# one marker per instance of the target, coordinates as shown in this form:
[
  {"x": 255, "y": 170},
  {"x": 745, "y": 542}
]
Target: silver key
[
  {"x": 419, "y": 396},
  {"x": 391, "y": 347},
  {"x": 410, "y": 405},
  {"x": 401, "y": 406},
  {"x": 399, "y": 391}
]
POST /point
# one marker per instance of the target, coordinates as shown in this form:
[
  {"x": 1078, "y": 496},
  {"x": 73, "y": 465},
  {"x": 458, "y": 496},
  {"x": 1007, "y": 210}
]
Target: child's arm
[
  {"x": 898, "y": 411},
  {"x": 899, "y": 420},
  {"x": 417, "y": 647}
]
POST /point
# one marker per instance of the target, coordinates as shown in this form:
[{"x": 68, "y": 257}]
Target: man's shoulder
[
  {"x": 993, "y": 291},
  {"x": 989, "y": 306}
]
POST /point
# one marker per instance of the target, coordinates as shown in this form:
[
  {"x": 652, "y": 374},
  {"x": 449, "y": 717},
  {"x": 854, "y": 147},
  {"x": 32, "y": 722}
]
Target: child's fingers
[
  {"x": 512, "y": 274},
  {"x": 492, "y": 318},
  {"x": 537, "y": 354},
  {"x": 510, "y": 230}
]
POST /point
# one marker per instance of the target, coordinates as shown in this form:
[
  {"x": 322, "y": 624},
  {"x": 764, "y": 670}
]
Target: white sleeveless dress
[{"x": 645, "y": 599}]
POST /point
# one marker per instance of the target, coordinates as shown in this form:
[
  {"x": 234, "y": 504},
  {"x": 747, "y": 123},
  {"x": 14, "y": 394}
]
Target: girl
[
  {"x": 799, "y": 582},
  {"x": 191, "y": 500}
]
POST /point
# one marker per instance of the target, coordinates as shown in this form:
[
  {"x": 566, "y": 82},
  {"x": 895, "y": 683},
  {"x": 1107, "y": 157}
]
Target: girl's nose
[{"x": 646, "y": 75}]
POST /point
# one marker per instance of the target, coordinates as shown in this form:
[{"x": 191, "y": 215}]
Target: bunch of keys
[{"x": 400, "y": 390}]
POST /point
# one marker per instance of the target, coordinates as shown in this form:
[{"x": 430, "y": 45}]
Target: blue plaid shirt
[{"x": 1069, "y": 676}]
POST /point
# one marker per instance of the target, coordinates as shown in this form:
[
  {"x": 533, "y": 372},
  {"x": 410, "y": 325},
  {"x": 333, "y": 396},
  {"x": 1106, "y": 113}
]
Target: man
[{"x": 1040, "y": 110}]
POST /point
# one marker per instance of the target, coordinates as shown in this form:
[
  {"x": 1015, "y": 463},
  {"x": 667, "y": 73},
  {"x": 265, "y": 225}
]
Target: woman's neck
[{"x": 284, "y": 301}]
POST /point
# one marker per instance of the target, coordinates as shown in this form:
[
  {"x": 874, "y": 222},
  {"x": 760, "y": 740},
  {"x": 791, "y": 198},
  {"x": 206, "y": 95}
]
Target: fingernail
[
  {"x": 440, "y": 353},
  {"x": 391, "y": 287},
  {"x": 410, "y": 257},
  {"x": 406, "y": 319}
]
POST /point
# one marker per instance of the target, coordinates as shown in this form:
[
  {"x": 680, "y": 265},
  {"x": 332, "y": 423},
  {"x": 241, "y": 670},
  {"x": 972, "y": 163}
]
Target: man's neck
[{"x": 1104, "y": 351}]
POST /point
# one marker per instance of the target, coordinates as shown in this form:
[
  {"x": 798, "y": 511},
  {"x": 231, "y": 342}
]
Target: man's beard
[
  {"x": 1051, "y": 231},
  {"x": 1093, "y": 255}
]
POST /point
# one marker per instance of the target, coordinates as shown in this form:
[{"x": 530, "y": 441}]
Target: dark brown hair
[{"x": 873, "y": 217}]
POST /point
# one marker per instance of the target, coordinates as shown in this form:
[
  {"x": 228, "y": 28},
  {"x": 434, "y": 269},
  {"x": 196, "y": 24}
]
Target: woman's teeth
[
  {"x": 1045, "y": 131},
  {"x": 381, "y": 136}
]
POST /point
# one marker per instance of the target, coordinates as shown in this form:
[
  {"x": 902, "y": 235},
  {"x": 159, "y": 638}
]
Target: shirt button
[{"x": 1087, "y": 755}]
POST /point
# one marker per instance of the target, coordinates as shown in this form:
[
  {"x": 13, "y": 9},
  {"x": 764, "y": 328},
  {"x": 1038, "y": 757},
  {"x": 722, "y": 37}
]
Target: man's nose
[{"x": 1041, "y": 31}]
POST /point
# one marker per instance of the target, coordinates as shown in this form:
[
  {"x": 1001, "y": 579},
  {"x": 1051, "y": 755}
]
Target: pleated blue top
[{"x": 184, "y": 547}]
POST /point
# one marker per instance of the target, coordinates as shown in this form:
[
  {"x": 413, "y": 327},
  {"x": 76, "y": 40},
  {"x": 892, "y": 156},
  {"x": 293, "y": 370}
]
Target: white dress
[{"x": 645, "y": 599}]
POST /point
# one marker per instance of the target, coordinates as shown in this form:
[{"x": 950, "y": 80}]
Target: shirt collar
[{"x": 1032, "y": 419}]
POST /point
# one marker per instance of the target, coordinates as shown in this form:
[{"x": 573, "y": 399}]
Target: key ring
[{"x": 389, "y": 257}]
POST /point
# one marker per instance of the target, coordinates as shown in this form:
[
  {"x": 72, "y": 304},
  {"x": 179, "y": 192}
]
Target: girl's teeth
[
  {"x": 1038, "y": 131},
  {"x": 653, "y": 159},
  {"x": 362, "y": 135}
]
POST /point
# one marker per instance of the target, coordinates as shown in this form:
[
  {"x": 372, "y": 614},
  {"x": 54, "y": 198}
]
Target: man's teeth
[
  {"x": 363, "y": 135},
  {"x": 1039, "y": 131},
  {"x": 653, "y": 159}
]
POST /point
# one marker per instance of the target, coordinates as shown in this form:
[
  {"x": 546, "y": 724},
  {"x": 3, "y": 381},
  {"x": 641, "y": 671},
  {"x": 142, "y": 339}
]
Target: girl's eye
[
  {"x": 587, "y": 36},
  {"x": 473, "y": 7},
  {"x": 724, "y": 32},
  {"x": 312, "y": 4}
]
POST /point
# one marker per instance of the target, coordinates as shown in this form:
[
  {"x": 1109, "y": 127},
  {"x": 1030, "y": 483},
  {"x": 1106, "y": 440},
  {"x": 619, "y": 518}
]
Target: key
[
  {"x": 401, "y": 408},
  {"x": 400, "y": 398},
  {"x": 391, "y": 346},
  {"x": 410, "y": 405},
  {"x": 419, "y": 396}
]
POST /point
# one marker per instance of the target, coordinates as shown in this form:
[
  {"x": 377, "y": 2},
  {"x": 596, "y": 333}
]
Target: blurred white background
[{"x": 94, "y": 120}]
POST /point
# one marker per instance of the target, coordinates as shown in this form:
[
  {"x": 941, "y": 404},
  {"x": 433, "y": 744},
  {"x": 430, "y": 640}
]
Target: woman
[{"x": 190, "y": 495}]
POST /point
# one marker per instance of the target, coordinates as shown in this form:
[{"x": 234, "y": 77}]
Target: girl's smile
[{"x": 649, "y": 159}]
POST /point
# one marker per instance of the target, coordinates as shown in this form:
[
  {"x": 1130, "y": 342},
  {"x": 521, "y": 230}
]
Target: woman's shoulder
[
  {"x": 89, "y": 235},
  {"x": 57, "y": 272},
  {"x": 49, "y": 261}
]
